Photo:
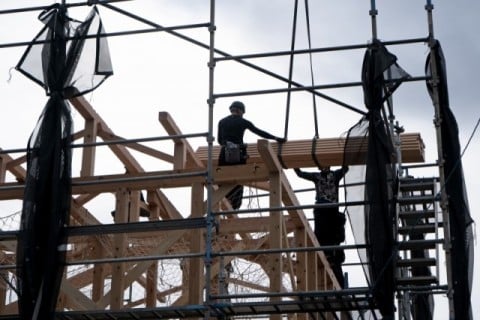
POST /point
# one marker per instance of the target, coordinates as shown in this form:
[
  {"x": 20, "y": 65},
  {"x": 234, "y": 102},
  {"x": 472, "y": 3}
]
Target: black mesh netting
[
  {"x": 369, "y": 153},
  {"x": 461, "y": 229},
  {"x": 66, "y": 61},
  {"x": 85, "y": 61}
]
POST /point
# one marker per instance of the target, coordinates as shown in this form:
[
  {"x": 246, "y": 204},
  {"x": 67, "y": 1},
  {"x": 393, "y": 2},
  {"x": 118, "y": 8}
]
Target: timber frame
[{"x": 118, "y": 255}]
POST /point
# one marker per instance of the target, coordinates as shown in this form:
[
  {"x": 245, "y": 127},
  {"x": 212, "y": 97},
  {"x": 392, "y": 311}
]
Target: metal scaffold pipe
[
  {"x": 429, "y": 8},
  {"x": 210, "y": 219},
  {"x": 373, "y": 14}
]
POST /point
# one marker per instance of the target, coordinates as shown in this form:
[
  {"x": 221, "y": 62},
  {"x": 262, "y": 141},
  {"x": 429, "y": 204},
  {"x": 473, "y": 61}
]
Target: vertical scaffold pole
[
  {"x": 373, "y": 14},
  {"x": 437, "y": 121},
  {"x": 210, "y": 218}
]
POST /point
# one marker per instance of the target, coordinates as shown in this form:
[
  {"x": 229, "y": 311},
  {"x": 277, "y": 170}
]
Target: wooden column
[
  {"x": 313, "y": 270},
  {"x": 134, "y": 206},
  {"x": 302, "y": 271},
  {"x": 275, "y": 232},
  {"x": 88, "y": 155},
  {"x": 151, "y": 290},
  {"x": 152, "y": 272},
  {"x": 3, "y": 169},
  {"x": 196, "y": 275},
  {"x": 98, "y": 281},
  {"x": 179, "y": 155},
  {"x": 3, "y": 290},
  {"x": 119, "y": 250},
  {"x": 275, "y": 263}
]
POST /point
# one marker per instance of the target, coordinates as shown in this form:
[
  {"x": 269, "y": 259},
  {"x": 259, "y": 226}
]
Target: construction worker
[
  {"x": 328, "y": 221},
  {"x": 233, "y": 151}
]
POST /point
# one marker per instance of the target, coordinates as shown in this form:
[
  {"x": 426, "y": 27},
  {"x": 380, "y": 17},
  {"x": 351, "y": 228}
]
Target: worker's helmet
[{"x": 238, "y": 105}]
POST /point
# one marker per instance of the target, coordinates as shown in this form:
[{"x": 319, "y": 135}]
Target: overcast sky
[{"x": 158, "y": 72}]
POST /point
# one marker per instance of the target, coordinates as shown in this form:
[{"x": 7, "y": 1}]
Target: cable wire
[{"x": 307, "y": 17}]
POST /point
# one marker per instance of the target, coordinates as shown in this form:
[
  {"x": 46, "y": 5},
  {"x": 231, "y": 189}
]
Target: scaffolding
[{"x": 156, "y": 262}]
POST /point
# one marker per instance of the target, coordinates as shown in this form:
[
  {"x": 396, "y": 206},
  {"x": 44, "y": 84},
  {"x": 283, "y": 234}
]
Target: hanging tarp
[
  {"x": 461, "y": 229},
  {"x": 375, "y": 183},
  {"x": 56, "y": 60}
]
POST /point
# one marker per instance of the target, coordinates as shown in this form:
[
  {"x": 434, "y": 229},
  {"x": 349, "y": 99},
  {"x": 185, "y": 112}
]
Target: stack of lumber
[{"x": 327, "y": 151}]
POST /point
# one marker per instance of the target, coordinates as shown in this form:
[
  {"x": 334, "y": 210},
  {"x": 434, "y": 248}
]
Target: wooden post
[
  {"x": 120, "y": 242},
  {"x": 276, "y": 225},
  {"x": 88, "y": 156},
  {"x": 3, "y": 292},
  {"x": 196, "y": 275},
  {"x": 152, "y": 272},
  {"x": 98, "y": 281},
  {"x": 134, "y": 206},
  {"x": 302, "y": 270},
  {"x": 151, "y": 290},
  {"x": 179, "y": 155},
  {"x": 3, "y": 169}
]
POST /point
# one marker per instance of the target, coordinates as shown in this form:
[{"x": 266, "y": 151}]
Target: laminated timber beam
[{"x": 328, "y": 151}]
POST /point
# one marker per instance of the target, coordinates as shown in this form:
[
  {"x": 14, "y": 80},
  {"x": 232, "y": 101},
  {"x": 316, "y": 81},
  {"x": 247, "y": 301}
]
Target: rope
[
  {"x": 307, "y": 17},
  {"x": 312, "y": 79},
  {"x": 290, "y": 68},
  {"x": 290, "y": 73}
]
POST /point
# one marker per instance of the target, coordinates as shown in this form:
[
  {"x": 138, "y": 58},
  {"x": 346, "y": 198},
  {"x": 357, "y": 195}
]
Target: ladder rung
[
  {"x": 416, "y": 262},
  {"x": 419, "y": 281},
  {"x": 404, "y": 200},
  {"x": 419, "y": 244},
  {"x": 418, "y": 229},
  {"x": 417, "y": 184},
  {"x": 417, "y": 214}
]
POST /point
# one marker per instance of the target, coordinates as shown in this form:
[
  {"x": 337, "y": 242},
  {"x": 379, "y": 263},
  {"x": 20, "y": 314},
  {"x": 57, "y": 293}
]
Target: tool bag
[{"x": 232, "y": 152}]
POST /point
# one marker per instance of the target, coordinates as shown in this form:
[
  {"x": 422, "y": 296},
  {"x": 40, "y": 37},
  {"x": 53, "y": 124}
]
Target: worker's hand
[{"x": 280, "y": 140}]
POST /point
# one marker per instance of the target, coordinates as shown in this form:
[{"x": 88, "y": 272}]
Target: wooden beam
[
  {"x": 250, "y": 225},
  {"x": 14, "y": 166},
  {"x": 144, "y": 149},
  {"x": 139, "y": 268},
  {"x": 87, "y": 112},
  {"x": 77, "y": 300},
  {"x": 182, "y": 147}
]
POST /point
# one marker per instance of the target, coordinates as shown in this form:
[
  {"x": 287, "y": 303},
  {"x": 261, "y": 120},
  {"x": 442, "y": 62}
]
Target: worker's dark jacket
[
  {"x": 326, "y": 183},
  {"x": 232, "y": 128}
]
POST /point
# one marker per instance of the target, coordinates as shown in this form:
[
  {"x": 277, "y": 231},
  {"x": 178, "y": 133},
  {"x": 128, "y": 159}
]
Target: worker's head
[{"x": 237, "y": 106}]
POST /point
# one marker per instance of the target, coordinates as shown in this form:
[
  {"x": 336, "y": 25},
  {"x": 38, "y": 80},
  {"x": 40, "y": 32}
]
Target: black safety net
[
  {"x": 461, "y": 229},
  {"x": 369, "y": 153},
  {"x": 86, "y": 59},
  {"x": 66, "y": 61}
]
